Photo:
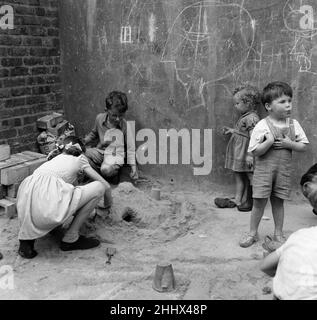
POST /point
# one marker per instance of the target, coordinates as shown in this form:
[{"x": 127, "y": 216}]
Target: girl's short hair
[
  {"x": 250, "y": 95},
  {"x": 71, "y": 149},
  {"x": 275, "y": 90},
  {"x": 117, "y": 99}
]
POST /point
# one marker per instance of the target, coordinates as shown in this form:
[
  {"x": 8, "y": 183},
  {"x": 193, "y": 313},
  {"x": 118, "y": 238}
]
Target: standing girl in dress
[
  {"x": 49, "y": 198},
  {"x": 246, "y": 100}
]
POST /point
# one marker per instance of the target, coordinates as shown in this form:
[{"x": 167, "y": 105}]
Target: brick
[
  {"x": 32, "y": 42},
  {"x": 11, "y": 62},
  {"x": 6, "y": 134},
  {"x": 14, "y": 174},
  {"x": 4, "y": 73},
  {"x": 59, "y": 129},
  {"x": 17, "y": 51},
  {"x": 8, "y": 208},
  {"x": 23, "y": 91},
  {"x": 12, "y": 190},
  {"x": 6, "y": 40},
  {"x": 33, "y": 61},
  {"x": 49, "y": 121},
  {"x": 33, "y": 165},
  {"x": 19, "y": 71},
  {"x": 4, "y": 152}
]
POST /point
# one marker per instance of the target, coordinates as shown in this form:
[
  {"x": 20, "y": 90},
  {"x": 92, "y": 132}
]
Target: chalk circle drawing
[
  {"x": 298, "y": 17},
  {"x": 204, "y": 50}
]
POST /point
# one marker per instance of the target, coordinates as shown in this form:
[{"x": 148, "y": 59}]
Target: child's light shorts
[{"x": 269, "y": 181}]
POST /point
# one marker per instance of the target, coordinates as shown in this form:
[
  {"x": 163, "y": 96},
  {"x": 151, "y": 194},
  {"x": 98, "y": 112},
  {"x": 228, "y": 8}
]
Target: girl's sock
[{"x": 70, "y": 237}]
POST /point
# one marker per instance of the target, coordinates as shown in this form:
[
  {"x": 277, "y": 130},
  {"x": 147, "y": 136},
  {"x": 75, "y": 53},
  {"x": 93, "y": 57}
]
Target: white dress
[{"x": 49, "y": 197}]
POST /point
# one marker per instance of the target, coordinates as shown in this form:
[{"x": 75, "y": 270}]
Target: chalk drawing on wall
[
  {"x": 298, "y": 18},
  {"x": 203, "y": 51},
  {"x": 126, "y": 34}
]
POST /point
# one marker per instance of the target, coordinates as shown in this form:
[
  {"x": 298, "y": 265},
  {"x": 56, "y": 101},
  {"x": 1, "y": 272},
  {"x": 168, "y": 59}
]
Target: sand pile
[{"x": 170, "y": 217}]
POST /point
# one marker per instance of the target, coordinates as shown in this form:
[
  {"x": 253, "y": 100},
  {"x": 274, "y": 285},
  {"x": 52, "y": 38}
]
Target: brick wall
[{"x": 30, "y": 84}]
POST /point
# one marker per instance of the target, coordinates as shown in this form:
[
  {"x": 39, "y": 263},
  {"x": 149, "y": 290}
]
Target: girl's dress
[
  {"x": 49, "y": 197},
  {"x": 238, "y": 144}
]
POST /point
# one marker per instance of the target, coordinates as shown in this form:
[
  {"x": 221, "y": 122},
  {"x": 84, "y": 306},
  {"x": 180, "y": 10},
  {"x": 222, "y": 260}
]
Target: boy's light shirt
[
  {"x": 261, "y": 129},
  {"x": 296, "y": 274}
]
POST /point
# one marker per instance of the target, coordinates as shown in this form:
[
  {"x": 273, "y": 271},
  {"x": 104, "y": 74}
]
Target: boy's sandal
[
  {"x": 270, "y": 245},
  {"x": 224, "y": 203},
  {"x": 279, "y": 238},
  {"x": 248, "y": 240}
]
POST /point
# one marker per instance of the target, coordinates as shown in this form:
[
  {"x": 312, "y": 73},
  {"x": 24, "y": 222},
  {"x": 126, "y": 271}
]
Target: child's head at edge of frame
[
  {"x": 246, "y": 98},
  {"x": 273, "y": 92}
]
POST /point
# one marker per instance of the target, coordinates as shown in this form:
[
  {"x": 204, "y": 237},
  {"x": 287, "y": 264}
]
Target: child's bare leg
[
  {"x": 278, "y": 215},
  {"x": 91, "y": 194},
  {"x": 256, "y": 214},
  {"x": 239, "y": 187}
]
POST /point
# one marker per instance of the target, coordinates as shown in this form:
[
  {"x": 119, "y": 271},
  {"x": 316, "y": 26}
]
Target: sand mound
[{"x": 169, "y": 217}]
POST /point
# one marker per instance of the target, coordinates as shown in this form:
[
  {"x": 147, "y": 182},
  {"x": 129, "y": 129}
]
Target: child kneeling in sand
[
  {"x": 49, "y": 198},
  {"x": 293, "y": 265}
]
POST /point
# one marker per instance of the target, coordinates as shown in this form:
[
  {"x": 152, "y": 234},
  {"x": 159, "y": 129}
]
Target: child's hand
[
  {"x": 249, "y": 161},
  {"x": 134, "y": 173},
  {"x": 227, "y": 130},
  {"x": 284, "y": 143}
]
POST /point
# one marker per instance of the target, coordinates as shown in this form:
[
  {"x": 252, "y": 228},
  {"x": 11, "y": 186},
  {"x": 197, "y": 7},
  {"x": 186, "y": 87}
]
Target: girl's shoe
[
  {"x": 224, "y": 203},
  {"x": 247, "y": 240},
  {"x": 82, "y": 243},
  {"x": 245, "y": 206},
  {"x": 26, "y": 249}
]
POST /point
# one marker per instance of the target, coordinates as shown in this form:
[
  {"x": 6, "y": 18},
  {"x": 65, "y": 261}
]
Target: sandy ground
[{"x": 183, "y": 228}]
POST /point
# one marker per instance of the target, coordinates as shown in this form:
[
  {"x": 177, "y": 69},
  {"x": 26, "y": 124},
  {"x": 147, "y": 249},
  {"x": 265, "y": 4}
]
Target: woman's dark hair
[{"x": 118, "y": 100}]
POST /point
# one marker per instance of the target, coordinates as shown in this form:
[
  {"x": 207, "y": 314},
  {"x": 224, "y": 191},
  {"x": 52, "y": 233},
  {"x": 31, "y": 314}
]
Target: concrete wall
[
  {"x": 30, "y": 84},
  {"x": 179, "y": 60}
]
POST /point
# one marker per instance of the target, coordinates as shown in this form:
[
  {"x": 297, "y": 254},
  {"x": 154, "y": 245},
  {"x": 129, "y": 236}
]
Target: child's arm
[
  {"x": 263, "y": 147},
  {"x": 269, "y": 264},
  {"x": 92, "y": 174}
]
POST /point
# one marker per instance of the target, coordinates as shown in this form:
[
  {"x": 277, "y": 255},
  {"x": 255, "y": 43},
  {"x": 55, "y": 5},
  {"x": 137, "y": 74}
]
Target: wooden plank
[
  {"x": 4, "y": 152},
  {"x": 35, "y": 154},
  {"x": 14, "y": 174}
]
